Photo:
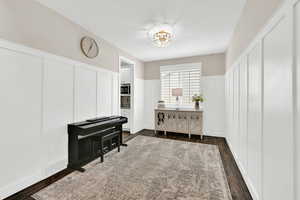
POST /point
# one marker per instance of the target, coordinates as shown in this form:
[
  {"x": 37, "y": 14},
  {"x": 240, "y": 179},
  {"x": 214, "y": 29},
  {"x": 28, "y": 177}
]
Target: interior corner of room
[{"x": 149, "y": 100}]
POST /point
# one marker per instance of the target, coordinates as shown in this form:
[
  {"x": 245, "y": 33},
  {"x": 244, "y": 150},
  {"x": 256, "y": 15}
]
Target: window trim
[{"x": 180, "y": 68}]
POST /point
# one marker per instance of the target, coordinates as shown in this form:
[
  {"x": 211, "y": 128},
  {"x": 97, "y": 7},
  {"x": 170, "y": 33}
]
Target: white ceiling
[{"x": 201, "y": 26}]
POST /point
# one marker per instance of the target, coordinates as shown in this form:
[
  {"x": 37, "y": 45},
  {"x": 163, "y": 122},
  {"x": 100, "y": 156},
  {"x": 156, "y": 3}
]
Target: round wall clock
[{"x": 89, "y": 47}]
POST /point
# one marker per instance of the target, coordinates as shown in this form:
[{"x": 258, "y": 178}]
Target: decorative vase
[{"x": 197, "y": 104}]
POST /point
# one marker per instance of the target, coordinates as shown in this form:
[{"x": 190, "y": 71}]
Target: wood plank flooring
[{"x": 237, "y": 185}]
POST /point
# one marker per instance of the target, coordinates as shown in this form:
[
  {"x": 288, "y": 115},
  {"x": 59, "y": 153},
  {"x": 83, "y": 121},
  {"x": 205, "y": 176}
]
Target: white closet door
[
  {"x": 104, "y": 93},
  {"x": 58, "y": 111},
  {"x": 254, "y": 119},
  {"x": 20, "y": 107},
  {"x": 278, "y": 113},
  {"x": 85, "y": 93}
]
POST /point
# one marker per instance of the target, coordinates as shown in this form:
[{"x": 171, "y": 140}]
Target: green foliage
[{"x": 198, "y": 98}]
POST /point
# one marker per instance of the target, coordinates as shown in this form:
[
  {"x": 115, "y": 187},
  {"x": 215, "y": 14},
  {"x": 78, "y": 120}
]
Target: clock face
[{"x": 89, "y": 47}]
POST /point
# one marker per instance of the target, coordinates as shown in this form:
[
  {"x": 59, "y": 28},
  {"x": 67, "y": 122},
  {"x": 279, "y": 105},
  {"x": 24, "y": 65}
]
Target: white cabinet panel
[
  {"x": 278, "y": 113},
  {"x": 104, "y": 88},
  {"x": 57, "y": 109},
  {"x": 85, "y": 93},
  {"x": 20, "y": 106},
  {"x": 243, "y": 112},
  {"x": 254, "y": 118}
]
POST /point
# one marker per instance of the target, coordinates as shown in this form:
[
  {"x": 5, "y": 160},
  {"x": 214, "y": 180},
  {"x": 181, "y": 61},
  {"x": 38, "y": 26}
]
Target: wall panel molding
[
  {"x": 273, "y": 89},
  {"x": 41, "y": 87}
]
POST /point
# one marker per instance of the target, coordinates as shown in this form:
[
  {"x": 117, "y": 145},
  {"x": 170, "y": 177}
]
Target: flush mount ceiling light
[{"x": 161, "y": 35}]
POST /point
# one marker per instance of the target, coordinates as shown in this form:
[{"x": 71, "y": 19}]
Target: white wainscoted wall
[
  {"x": 152, "y": 96},
  {"x": 213, "y": 88},
  {"x": 262, "y": 108},
  {"x": 40, "y": 95},
  {"x": 138, "y": 103}
]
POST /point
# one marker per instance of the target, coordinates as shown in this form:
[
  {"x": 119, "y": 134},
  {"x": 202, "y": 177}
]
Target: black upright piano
[{"x": 85, "y": 139}]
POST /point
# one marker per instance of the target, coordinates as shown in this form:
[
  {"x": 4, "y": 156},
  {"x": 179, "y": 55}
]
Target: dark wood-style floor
[{"x": 236, "y": 182}]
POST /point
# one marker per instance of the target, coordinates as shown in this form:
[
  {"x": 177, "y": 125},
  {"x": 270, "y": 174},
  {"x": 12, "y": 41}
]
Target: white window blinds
[{"x": 186, "y": 77}]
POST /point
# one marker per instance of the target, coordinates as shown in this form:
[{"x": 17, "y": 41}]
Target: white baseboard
[
  {"x": 206, "y": 133},
  {"x": 214, "y": 133},
  {"x": 136, "y": 130},
  {"x": 247, "y": 180},
  {"x": 20, "y": 184}
]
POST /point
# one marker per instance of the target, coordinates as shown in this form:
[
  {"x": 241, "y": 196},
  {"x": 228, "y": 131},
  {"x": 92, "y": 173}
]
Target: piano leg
[
  {"x": 119, "y": 143},
  {"x": 80, "y": 169},
  {"x": 101, "y": 151}
]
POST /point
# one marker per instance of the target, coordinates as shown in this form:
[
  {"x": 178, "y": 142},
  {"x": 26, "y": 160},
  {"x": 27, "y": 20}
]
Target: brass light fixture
[{"x": 162, "y": 35}]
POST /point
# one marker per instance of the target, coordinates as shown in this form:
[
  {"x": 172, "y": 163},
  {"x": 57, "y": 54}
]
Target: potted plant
[{"x": 197, "y": 99}]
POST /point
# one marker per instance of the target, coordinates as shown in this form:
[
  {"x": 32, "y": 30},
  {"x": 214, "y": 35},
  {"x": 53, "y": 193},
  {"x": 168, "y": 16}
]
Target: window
[{"x": 187, "y": 77}]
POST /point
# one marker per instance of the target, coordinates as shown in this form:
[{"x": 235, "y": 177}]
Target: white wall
[
  {"x": 85, "y": 93},
  {"x": 138, "y": 103},
  {"x": 58, "y": 110},
  {"x": 152, "y": 96},
  {"x": 104, "y": 94},
  {"x": 254, "y": 143},
  {"x": 21, "y": 111},
  {"x": 297, "y": 99},
  {"x": 278, "y": 112},
  {"x": 214, "y": 107},
  {"x": 213, "y": 88},
  {"x": 262, "y": 95},
  {"x": 40, "y": 95}
]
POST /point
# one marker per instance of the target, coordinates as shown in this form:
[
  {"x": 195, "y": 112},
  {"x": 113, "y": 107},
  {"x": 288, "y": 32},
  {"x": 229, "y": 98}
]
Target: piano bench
[{"x": 114, "y": 141}]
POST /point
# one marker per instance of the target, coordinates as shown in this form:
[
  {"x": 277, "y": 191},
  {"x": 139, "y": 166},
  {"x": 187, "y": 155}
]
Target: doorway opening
[{"x": 126, "y": 70}]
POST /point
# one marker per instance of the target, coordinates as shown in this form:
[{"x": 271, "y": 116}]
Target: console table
[{"x": 182, "y": 120}]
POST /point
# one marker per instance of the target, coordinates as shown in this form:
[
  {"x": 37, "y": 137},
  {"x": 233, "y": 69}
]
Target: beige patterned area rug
[{"x": 149, "y": 168}]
